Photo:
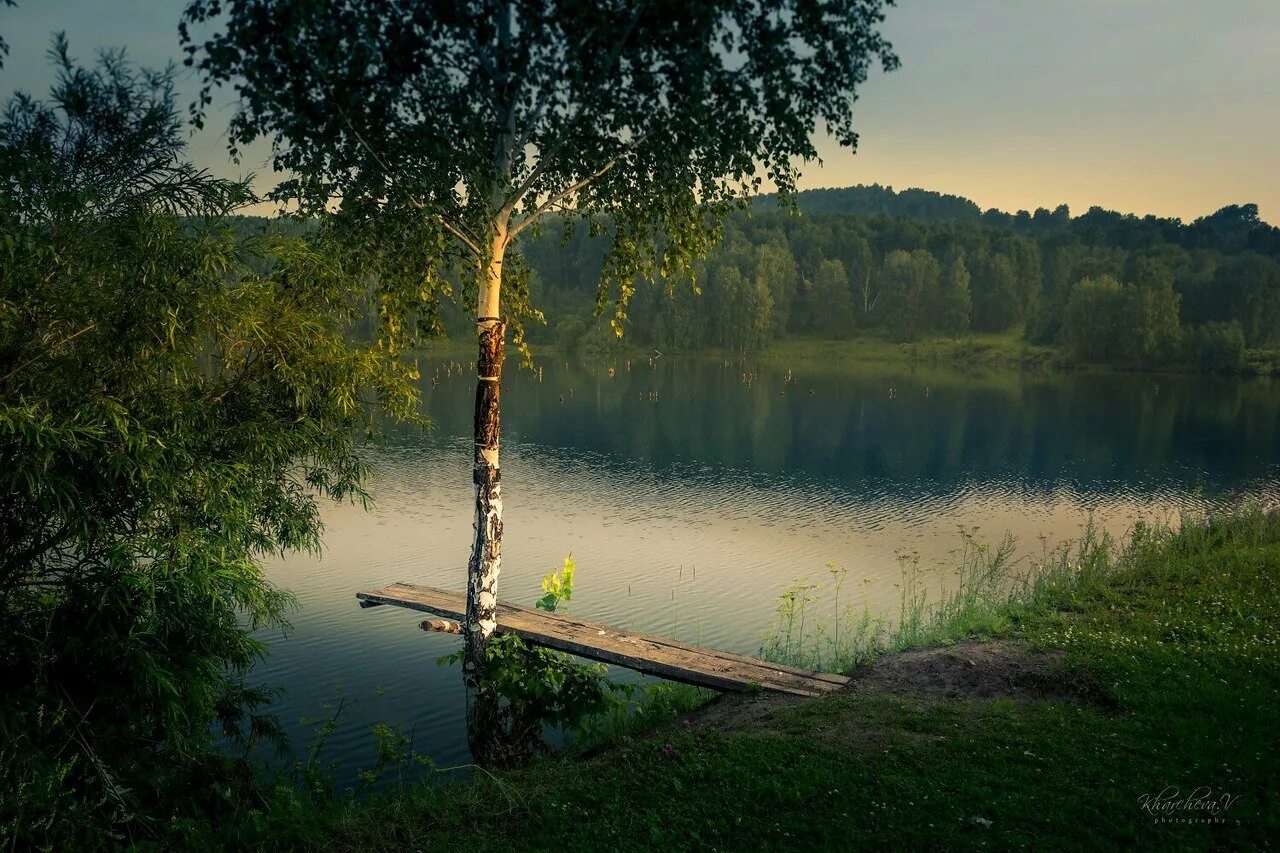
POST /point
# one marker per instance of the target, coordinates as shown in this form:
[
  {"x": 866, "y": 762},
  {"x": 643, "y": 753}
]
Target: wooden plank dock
[{"x": 654, "y": 655}]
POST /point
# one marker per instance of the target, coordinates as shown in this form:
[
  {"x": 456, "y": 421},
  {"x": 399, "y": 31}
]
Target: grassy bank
[
  {"x": 977, "y": 350},
  {"x": 1003, "y": 350},
  {"x": 1007, "y": 349},
  {"x": 1163, "y": 734}
]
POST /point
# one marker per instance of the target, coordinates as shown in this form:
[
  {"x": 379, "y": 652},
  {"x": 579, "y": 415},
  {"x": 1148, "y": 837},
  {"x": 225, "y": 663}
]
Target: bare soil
[
  {"x": 980, "y": 671},
  {"x": 972, "y": 670}
]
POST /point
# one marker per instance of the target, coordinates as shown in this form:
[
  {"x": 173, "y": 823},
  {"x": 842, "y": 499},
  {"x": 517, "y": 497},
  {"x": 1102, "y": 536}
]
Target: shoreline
[
  {"x": 1004, "y": 352},
  {"x": 1079, "y": 709}
]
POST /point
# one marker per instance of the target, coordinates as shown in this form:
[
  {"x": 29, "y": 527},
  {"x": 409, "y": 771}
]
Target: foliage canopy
[{"x": 439, "y": 126}]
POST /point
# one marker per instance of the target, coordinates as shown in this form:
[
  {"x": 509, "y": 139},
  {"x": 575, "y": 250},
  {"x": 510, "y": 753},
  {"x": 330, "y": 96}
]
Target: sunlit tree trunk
[{"x": 486, "y": 546}]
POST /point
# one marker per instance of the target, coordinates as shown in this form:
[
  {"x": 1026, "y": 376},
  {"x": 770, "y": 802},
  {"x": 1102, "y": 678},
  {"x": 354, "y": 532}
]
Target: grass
[
  {"x": 867, "y": 348},
  {"x": 644, "y": 707},
  {"x": 1005, "y": 349},
  {"x": 1176, "y": 630},
  {"x": 818, "y": 627}
]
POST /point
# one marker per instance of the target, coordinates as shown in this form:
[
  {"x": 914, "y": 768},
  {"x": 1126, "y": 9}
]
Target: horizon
[
  {"x": 1074, "y": 212},
  {"x": 1174, "y": 114}
]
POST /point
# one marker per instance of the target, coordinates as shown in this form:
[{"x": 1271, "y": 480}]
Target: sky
[{"x": 1169, "y": 107}]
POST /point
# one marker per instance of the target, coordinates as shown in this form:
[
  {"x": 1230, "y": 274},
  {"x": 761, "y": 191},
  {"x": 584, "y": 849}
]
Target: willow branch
[{"x": 49, "y": 351}]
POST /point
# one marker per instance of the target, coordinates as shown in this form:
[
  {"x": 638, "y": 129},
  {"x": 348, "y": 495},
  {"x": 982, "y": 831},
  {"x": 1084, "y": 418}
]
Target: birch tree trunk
[{"x": 486, "y": 546}]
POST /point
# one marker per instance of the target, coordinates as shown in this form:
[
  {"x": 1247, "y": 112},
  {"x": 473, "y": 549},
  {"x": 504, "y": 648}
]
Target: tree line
[{"x": 1109, "y": 288}]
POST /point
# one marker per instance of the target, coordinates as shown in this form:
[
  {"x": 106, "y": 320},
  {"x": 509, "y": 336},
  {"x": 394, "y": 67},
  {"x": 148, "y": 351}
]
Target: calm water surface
[{"x": 692, "y": 491}]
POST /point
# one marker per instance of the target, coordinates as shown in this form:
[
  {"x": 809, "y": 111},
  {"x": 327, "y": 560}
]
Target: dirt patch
[
  {"x": 972, "y": 670},
  {"x": 965, "y": 671},
  {"x": 740, "y": 712}
]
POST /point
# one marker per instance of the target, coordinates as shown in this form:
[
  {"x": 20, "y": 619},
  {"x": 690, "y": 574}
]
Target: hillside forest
[{"x": 1144, "y": 292}]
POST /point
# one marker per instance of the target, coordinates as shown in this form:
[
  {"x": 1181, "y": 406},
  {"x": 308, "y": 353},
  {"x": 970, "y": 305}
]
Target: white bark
[{"x": 486, "y": 548}]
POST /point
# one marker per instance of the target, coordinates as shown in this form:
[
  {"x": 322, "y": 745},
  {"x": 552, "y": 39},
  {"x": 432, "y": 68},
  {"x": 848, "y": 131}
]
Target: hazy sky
[{"x": 1144, "y": 106}]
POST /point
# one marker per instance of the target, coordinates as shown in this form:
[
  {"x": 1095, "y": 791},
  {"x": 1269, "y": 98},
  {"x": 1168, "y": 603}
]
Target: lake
[{"x": 692, "y": 491}]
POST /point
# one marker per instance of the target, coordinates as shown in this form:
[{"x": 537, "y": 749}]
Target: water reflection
[
  {"x": 901, "y": 430},
  {"x": 691, "y": 491}
]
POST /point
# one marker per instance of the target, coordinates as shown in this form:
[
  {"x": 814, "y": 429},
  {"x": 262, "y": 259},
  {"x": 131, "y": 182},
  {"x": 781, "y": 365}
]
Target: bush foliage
[{"x": 175, "y": 396}]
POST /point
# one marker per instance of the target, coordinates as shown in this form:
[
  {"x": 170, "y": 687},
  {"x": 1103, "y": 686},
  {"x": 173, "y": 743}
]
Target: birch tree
[{"x": 442, "y": 132}]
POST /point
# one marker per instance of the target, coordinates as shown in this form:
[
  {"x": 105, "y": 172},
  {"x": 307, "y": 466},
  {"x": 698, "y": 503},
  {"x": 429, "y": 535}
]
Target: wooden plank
[{"x": 645, "y": 653}]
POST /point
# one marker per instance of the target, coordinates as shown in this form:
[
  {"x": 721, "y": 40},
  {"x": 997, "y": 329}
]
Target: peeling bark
[
  {"x": 487, "y": 736},
  {"x": 486, "y": 546}
]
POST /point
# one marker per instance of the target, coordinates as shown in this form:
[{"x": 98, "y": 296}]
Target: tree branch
[
  {"x": 455, "y": 230},
  {"x": 451, "y": 228},
  {"x": 562, "y": 195},
  {"x": 526, "y": 135}
]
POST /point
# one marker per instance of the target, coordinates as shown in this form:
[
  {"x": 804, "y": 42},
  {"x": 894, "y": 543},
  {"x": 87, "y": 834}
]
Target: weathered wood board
[{"x": 654, "y": 655}]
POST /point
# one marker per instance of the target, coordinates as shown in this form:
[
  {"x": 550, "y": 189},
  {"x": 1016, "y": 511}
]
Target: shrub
[{"x": 174, "y": 398}]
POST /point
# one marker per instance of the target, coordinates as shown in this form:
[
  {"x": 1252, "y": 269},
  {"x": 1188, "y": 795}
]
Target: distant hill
[
  {"x": 1232, "y": 229},
  {"x": 869, "y": 200}
]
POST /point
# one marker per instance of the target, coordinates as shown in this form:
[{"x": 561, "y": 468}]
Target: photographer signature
[{"x": 1200, "y": 805}]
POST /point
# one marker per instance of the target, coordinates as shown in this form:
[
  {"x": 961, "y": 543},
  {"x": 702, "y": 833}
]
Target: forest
[{"x": 1108, "y": 288}]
